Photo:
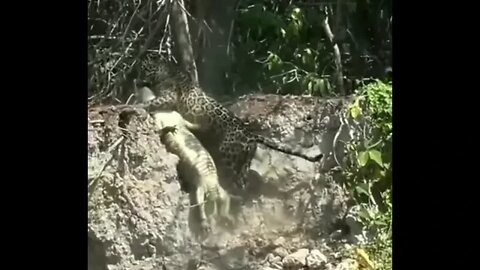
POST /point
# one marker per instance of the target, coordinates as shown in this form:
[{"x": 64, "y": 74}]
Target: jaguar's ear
[{"x": 143, "y": 94}]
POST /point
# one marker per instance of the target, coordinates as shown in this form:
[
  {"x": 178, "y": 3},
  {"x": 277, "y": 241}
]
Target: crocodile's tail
[{"x": 285, "y": 148}]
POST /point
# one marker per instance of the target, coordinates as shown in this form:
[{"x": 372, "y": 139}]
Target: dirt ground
[{"x": 139, "y": 218}]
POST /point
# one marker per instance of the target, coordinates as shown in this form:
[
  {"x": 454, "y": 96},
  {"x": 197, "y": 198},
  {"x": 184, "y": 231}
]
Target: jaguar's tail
[{"x": 285, "y": 148}]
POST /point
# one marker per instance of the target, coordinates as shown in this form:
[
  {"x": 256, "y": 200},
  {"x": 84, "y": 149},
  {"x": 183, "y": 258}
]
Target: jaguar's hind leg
[
  {"x": 244, "y": 161},
  {"x": 237, "y": 154}
]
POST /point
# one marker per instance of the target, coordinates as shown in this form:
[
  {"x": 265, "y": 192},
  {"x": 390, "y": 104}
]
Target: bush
[{"x": 368, "y": 171}]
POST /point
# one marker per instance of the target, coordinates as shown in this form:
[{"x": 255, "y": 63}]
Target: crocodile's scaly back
[
  {"x": 199, "y": 170},
  {"x": 186, "y": 146}
]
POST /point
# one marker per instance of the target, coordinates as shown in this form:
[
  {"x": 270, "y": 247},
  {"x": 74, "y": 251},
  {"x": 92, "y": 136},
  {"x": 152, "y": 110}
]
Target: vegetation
[
  {"x": 323, "y": 48},
  {"x": 369, "y": 170},
  {"x": 289, "y": 45},
  {"x": 247, "y": 45}
]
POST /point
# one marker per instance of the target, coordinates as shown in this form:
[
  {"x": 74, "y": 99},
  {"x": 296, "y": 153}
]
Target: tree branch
[{"x": 337, "y": 55}]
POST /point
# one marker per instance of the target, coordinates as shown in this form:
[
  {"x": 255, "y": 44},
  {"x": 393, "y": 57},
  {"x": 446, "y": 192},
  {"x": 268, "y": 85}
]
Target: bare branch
[
  {"x": 336, "y": 51},
  {"x": 182, "y": 39}
]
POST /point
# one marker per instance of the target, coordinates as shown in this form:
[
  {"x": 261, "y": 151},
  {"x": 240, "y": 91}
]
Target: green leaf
[
  {"x": 363, "y": 188},
  {"x": 386, "y": 165},
  {"x": 376, "y": 156},
  {"x": 380, "y": 223},
  {"x": 364, "y": 214},
  {"x": 355, "y": 112},
  {"x": 310, "y": 86},
  {"x": 325, "y": 87},
  {"x": 363, "y": 158}
]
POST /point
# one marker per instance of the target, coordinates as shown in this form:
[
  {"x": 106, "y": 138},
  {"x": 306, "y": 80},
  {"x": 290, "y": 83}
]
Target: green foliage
[
  {"x": 369, "y": 165},
  {"x": 379, "y": 99},
  {"x": 284, "y": 49},
  {"x": 380, "y": 248},
  {"x": 370, "y": 152},
  {"x": 275, "y": 46}
]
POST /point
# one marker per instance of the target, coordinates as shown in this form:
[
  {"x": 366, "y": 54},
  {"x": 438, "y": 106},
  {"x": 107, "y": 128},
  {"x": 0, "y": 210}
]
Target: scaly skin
[{"x": 198, "y": 169}]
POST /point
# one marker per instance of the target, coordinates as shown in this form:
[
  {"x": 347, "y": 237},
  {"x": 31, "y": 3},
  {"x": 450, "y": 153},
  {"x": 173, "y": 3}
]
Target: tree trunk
[
  {"x": 213, "y": 58},
  {"x": 337, "y": 56},
  {"x": 181, "y": 35}
]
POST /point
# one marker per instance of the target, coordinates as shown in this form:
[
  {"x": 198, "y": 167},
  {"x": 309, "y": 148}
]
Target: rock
[
  {"x": 291, "y": 119},
  {"x": 274, "y": 259},
  {"x": 280, "y": 241},
  {"x": 355, "y": 226},
  {"x": 278, "y": 265},
  {"x": 296, "y": 259},
  {"x": 280, "y": 251},
  {"x": 347, "y": 264},
  {"x": 329, "y": 266},
  {"x": 305, "y": 120},
  {"x": 337, "y": 234},
  {"x": 357, "y": 233},
  {"x": 316, "y": 259},
  {"x": 268, "y": 258}
]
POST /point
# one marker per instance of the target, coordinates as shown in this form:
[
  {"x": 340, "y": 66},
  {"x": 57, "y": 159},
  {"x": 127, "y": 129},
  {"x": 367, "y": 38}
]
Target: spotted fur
[{"x": 236, "y": 143}]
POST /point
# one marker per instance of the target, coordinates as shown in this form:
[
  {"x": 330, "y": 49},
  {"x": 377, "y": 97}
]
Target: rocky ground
[{"x": 138, "y": 218}]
